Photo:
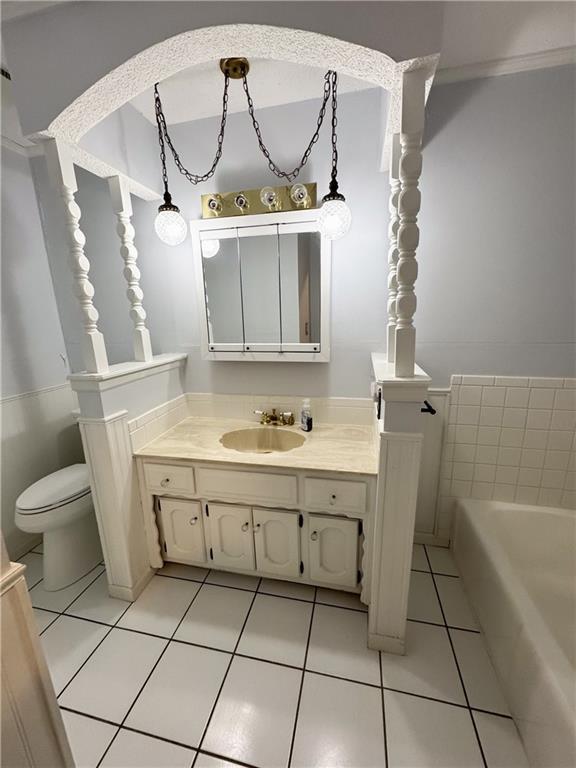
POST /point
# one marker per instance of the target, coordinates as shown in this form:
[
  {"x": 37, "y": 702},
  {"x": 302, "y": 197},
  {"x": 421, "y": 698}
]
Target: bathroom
[{"x": 277, "y": 494}]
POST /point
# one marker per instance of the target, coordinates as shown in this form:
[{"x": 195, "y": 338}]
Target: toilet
[{"x": 60, "y": 507}]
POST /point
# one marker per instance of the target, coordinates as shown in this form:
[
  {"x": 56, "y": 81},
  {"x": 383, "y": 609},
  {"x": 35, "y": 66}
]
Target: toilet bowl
[{"x": 60, "y": 507}]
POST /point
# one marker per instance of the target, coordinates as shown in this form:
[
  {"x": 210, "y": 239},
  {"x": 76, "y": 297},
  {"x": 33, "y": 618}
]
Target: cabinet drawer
[
  {"x": 259, "y": 487},
  {"x": 166, "y": 479},
  {"x": 335, "y": 495}
]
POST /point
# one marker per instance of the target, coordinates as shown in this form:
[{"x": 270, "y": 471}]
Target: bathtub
[{"x": 518, "y": 565}]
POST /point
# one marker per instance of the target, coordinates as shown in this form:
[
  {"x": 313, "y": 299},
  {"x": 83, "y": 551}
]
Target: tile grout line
[
  {"x": 77, "y": 596},
  {"x": 221, "y": 688},
  {"x": 293, "y": 739},
  {"x": 386, "y": 761},
  {"x": 168, "y": 641},
  {"x": 458, "y": 667}
]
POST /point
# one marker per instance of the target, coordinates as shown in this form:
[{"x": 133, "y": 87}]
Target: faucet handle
[{"x": 259, "y": 413}]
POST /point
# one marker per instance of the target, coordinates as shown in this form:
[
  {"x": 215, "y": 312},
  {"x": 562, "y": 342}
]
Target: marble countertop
[{"x": 329, "y": 447}]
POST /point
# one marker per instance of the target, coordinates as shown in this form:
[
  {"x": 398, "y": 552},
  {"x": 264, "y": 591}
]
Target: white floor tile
[
  {"x": 442, "y": 561},
  {"x": 339, "y": 725},
  {"x": 177, "y": 699},
  {"x": 60, "y": 600},
  {"x": 39, "y": 548},
  {"x": 33, "y": 572},
  {"x": 287, "y": 589},
  {"x": 88, "y": 738},
  {"x": 238, "y": 580},
  {"x": 216, "y": 617},
  {"x": 340, "y": 599},
  {"x": 480, "y": 679},
  {"x": 338, "y": 645},
  {"x": 67, "y": 644},
  {"x": 160, "y": 607},
  {"x": 96, "y": 604},
  {"x": 134, "y": 750},
  {"x": 43, "y": 618},
  {"x": 419, "y": 561},
  {"x": 277, "y": 630},
  {"x": 428, "y": 734},
  {"x": 254, "y": 717},
  {"x": 455, "y": 603},
  {"x": 110, "y": 680},
  {"x": 207, "y": 761},
  {"x": 180, "y": 571},
  {"x": 500, "y": 741},
  {"x": 423, "y": 602},
  {"x": 428, "y": 667}
]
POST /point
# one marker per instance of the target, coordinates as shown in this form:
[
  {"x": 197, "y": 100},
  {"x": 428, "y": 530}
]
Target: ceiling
[{"x": 196, "y": 93}]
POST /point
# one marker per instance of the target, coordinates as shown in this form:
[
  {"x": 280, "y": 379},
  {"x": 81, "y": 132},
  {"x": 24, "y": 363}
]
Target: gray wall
[
  {"x": 32, "y": 342},
  {"x": 497, "y": 283}
]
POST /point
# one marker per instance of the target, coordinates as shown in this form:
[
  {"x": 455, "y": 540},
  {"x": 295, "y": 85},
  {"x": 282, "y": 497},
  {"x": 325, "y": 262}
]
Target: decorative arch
[{"x": 206, "y": 44}]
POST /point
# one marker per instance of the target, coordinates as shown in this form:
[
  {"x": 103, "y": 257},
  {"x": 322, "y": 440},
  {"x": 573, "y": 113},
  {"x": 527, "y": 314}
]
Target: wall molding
[
  {"x": 557, "y": 57},
  {"x": 34, "y": 393}
]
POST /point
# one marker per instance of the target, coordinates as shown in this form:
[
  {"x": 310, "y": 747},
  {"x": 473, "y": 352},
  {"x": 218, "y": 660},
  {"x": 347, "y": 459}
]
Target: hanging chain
[
  {"x": 334, "y": 173},
  {"x": 290, "y": 175},
  {"x": 330, "y": 88},
  {"x": 164, "y": 138}
]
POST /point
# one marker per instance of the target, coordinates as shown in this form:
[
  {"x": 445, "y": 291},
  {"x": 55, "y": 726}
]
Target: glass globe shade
[
  {"x": 210, "y": 248},
  {"x": 335, "y": 219},
  {"x": 170, "y": 227}
]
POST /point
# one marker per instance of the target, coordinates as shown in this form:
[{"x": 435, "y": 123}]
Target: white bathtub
[{"x": 518, "y": 564}]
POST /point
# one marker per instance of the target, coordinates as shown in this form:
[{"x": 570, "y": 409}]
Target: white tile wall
[{"x": 509, "y": 439}]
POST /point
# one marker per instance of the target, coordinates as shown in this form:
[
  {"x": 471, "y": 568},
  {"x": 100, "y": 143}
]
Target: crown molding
[{"x": 557, "y": 57}]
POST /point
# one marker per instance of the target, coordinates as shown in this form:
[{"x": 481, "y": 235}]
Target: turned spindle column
[
  {"x": 393, "y": 248},
  {"x": 413, "y": 95},
  {"x": 62, "y": 173},
  {"x": 122, "y": 205}
]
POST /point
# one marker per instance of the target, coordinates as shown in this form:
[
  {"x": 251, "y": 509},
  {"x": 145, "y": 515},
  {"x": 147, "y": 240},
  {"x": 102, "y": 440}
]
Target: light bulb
[
  {"x": 170, "y": 226},
  {"x": 334, "y": 219},
  {"x": 210, "y": 248}
]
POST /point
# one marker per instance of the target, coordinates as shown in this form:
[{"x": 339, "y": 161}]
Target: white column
[
  {"x": 412, "y": 125},
  {"x": 122, "y": 206},
  {"x": 393, "y": 248},
  {"x": 61, "y": 170}
]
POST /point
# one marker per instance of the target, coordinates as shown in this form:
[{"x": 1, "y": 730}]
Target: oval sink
[{"x": 262, "y": 440}]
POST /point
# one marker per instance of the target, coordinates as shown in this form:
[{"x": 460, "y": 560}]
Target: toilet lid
[{"x": 63, "y": 485}]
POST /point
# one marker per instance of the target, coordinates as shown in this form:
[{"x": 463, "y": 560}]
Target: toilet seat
[{"x": 54, "y": 491}]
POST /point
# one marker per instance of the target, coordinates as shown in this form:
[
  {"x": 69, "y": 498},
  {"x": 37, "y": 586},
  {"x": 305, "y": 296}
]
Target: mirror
[{"x": 264, "y": 289}]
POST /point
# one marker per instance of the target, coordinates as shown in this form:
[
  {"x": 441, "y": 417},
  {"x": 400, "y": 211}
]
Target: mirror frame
[{"x": 289, "y": 222}]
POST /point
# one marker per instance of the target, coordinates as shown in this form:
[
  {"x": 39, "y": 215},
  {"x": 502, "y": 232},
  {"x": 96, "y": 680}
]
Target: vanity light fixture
[{"x": 335, "y": 217}]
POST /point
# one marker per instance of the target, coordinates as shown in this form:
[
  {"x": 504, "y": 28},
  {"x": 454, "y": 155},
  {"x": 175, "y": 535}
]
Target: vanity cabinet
[{"x": 283, "y": 524}]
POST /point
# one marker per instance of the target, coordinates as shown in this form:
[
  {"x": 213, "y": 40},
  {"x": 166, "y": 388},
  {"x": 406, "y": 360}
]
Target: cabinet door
[
  {"x": 183, "y": 530},
  {"x": 276, "y": 539},
  {"x": 333, "y": 549},
  {"x": 232, "y": 537}
]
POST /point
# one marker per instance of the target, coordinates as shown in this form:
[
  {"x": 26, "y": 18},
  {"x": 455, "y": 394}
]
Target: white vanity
[{"x": 302, "y": 514}]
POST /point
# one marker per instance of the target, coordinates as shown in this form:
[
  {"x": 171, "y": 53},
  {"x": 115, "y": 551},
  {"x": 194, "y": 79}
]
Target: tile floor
[{"x": 214, "y": 670}]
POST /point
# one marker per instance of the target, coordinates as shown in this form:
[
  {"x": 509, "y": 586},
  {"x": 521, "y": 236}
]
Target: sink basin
[{"x": 262, "y": 440}]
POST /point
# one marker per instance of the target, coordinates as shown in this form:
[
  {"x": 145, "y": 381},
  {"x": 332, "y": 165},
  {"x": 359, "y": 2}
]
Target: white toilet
[{"x": 60, "y": 507}]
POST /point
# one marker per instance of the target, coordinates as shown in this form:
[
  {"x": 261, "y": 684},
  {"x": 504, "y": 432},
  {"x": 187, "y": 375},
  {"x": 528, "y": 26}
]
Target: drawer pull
[
  {"x": 314, "y": 535},
  {"x": 165, "y": 482},
  {"x": 245, "y": 527},
  {"x": 332, "y": 498},
  {"x": 193, "y": 520}
]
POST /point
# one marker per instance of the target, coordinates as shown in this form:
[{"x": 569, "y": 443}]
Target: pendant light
[
  {"x": 169, "y": 223},
  {"x": 335, "y": 217}
]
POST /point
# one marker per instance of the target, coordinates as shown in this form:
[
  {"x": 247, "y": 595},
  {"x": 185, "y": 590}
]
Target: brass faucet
[{"x": 285, "y": 419}]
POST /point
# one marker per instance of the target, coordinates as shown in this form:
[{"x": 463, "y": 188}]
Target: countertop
[{"x": 329, "y": 447}]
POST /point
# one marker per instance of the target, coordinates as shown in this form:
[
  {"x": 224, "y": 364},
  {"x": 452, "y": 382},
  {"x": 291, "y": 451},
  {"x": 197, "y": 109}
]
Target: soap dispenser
[{"x": 306, "y": 416}]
